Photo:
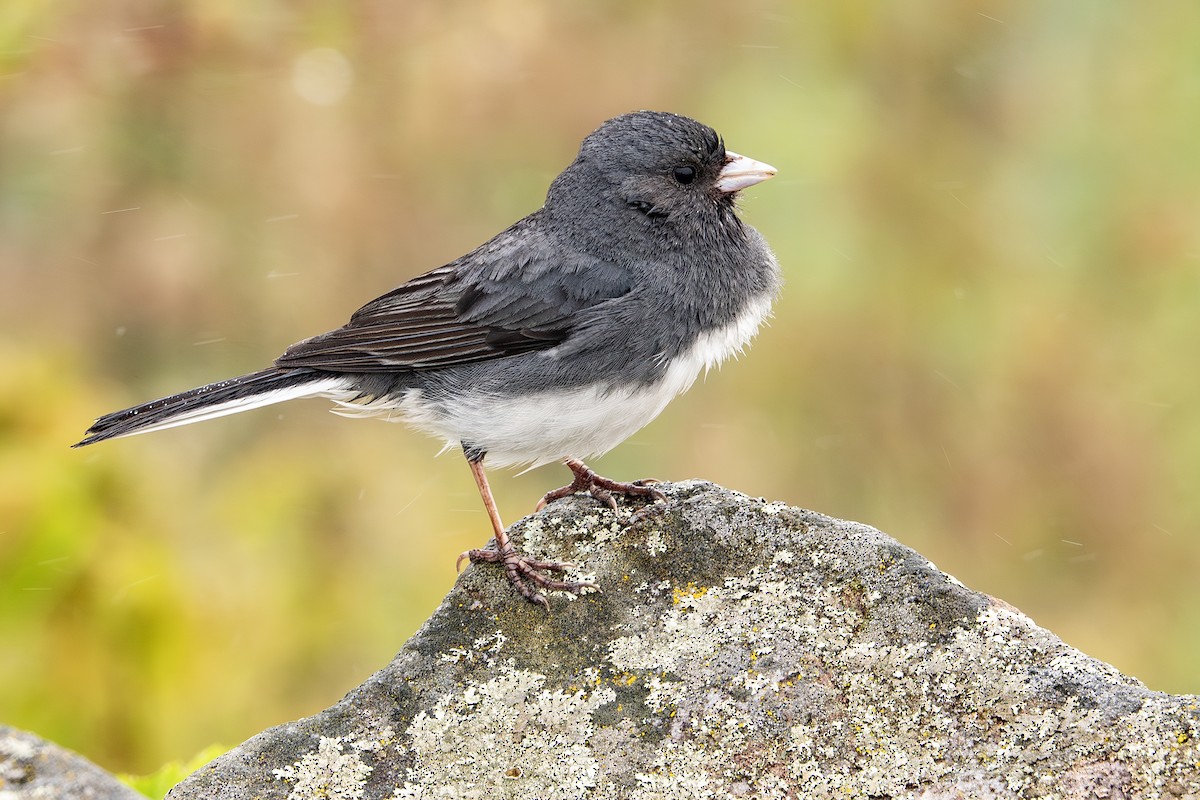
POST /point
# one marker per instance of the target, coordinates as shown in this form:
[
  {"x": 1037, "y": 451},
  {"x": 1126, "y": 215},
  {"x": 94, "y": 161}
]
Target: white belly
[{"x": 581, "y": 423}]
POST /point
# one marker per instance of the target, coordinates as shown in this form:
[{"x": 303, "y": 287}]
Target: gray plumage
[
  {"x": 615, "y": 276},
  {"x": 555, "y": 340}
]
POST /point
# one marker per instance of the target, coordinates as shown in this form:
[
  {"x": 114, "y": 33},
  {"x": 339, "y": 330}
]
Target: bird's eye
[{"x": 684, "y": 174}]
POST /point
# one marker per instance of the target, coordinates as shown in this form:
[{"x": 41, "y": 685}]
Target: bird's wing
[{"x": 516, "y": 293}]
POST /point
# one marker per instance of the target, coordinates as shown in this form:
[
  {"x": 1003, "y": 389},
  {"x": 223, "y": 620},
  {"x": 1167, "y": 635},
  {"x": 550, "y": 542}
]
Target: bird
[{"x": 555, "y": 340}]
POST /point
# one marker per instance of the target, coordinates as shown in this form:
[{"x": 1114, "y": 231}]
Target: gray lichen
[
  {"x": 331, "y": 771},
  {"x": 739, "y": 648},
  {"x": 542, "y": 735}
]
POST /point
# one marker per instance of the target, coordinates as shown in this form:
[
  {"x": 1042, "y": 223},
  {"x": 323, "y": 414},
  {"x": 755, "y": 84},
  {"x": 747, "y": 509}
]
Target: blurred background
[{"x": 987, "y": 214}]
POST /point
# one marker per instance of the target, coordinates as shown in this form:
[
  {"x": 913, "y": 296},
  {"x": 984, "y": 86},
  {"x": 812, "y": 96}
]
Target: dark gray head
[{"x": 657, "y": 170}]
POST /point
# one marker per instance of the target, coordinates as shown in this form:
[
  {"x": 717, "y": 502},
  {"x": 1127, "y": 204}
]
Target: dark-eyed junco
[{"x": 557, "y": 339}]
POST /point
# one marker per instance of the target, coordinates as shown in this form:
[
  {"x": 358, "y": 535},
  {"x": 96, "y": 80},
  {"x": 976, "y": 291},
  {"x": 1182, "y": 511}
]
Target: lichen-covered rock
[
  {"x": 740, "y": 649},
  {"x": 34, "y": 769}
]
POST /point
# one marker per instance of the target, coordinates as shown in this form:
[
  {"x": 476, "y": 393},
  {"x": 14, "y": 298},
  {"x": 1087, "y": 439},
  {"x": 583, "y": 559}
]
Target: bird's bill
[{"x": 740, "y": 172}]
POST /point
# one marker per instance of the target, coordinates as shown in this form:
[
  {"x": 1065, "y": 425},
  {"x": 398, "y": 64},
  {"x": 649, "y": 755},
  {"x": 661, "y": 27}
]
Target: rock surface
[
  {"x": 33, "y": 769},
  {"x": 739, "y": 649}
]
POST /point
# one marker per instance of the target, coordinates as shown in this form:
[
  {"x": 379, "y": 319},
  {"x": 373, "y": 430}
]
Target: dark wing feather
[{"x": 516, "y": 293}]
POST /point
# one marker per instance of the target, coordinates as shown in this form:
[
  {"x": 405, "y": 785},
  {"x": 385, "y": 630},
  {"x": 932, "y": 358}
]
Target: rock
[
  {"x": 739, "y": 649},
  {"x": 33, "y": 769}
]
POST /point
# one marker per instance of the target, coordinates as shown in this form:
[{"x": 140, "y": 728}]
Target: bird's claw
[
  {"x": 601, "y": 488},
  {"x": 523, "y": 570}
]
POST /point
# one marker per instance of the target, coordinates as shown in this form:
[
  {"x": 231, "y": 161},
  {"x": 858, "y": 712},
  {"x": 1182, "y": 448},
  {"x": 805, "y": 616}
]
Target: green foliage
[
  {"x": 157, "y": 784},
  {"x": 986, "y": 218}
]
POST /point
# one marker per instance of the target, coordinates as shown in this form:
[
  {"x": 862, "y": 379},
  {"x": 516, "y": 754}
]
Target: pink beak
[{"x": 740, "y": 172}]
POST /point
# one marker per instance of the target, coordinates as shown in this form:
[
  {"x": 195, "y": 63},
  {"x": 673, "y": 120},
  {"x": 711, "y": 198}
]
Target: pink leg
[{"x": 522, "y": 570}]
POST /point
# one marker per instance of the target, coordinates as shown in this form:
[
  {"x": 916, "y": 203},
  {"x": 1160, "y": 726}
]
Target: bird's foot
[
  {"x": 601, "y": 488},
  {"x": 526, "y": 573}
]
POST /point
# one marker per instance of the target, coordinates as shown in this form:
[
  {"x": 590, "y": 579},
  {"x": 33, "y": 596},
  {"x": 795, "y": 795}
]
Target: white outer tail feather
[{"x": 331, "y": 387}]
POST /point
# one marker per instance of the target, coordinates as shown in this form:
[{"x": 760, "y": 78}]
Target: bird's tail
[{"x": 257, "y": 389}]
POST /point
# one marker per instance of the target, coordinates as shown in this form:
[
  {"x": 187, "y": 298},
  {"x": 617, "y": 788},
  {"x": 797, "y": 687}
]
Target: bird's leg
[
  {"x": 524, "y": 572},
  {"x": 600, "y": 488}
]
